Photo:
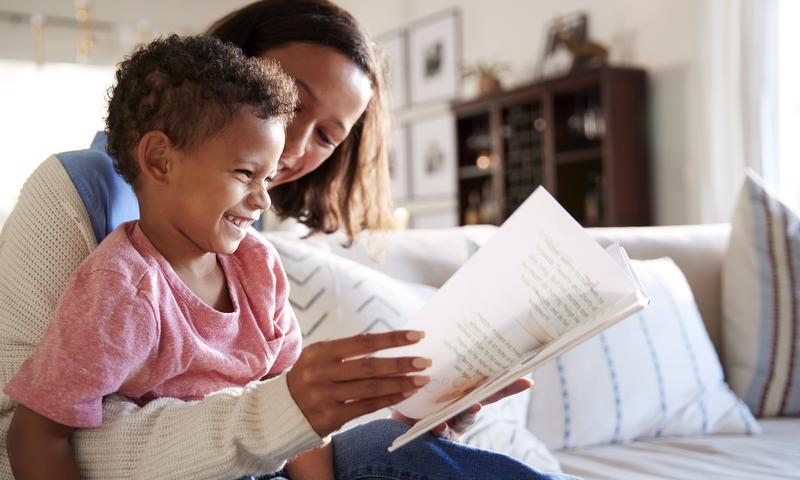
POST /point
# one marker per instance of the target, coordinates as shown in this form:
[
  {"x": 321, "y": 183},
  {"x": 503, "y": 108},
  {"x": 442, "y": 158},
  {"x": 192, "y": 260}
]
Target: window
[
  {"x": 789, "y": 100},
  {"x": 46, "y": 110}
]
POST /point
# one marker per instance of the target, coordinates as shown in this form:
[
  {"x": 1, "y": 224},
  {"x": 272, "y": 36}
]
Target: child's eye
[
  {"x": 246, "y": 173},
  {"x": 269, "y": 180}
]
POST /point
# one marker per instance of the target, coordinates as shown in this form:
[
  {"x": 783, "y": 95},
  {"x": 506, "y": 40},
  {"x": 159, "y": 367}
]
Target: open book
[{"x": 539, "y": 287}]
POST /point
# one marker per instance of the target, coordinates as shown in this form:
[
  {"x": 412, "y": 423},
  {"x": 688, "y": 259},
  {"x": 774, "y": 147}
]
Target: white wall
[
  {"x": 666, "y": 37},
  {"x": 669, "y": 38}
]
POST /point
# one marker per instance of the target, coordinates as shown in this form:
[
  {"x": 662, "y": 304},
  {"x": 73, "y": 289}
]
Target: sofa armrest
[{"x": 698, "y": 251}]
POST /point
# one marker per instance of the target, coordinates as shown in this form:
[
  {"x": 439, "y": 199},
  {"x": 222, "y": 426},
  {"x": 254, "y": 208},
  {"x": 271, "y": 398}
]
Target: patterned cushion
[
  {"x": 653, "y": 374},
  {"x": 335, "y": 297},
  {"x": 760, "y": 302}
]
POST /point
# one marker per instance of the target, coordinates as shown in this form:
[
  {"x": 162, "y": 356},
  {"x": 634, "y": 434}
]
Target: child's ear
[{"x": 154, "y": 154}]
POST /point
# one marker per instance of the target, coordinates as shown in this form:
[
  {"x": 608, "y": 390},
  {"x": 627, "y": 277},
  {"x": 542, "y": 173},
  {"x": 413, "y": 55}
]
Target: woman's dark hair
[
  {"x": 350, "y": 190},
  {"x": 189, "y": 88}
]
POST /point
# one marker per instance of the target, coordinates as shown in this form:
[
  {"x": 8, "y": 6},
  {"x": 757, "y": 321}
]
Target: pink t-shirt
[{"x": 127, "y": 324}]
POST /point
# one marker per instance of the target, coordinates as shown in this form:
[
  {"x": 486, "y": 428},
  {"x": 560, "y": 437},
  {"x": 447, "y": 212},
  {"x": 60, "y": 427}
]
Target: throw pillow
[
  {"x": 653, "y": 374},
  {"x": 501, "y": 427},
  {"x": 334, "y": 297},
  {"x": 761, "y": 302}
]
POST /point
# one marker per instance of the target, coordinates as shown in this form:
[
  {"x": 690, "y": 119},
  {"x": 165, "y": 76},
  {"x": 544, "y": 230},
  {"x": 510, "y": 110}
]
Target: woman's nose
[{"x": 298, "y": 135}]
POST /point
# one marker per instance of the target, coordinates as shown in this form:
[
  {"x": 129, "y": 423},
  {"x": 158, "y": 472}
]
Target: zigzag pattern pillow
[
  {"x": 761, "y": 302},
  {"x": 654, "y": 374},
  {"x": 334, "y": 297}
]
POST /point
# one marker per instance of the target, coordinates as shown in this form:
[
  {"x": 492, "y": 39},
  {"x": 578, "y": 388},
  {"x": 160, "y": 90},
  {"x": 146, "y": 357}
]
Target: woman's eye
[{"x": 325, "y": 139}]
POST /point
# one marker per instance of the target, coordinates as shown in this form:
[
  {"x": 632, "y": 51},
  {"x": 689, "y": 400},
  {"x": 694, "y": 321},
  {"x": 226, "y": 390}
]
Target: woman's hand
[
  {"x": 332, "y": 383},
  {"x": 460, "y": 423}
]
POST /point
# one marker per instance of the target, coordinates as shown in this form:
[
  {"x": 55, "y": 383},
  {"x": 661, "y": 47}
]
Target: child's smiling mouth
[{"x": 240, "y": 222}]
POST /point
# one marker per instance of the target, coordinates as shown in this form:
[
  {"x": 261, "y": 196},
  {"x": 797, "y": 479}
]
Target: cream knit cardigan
[{"x": 228, "y": 434}]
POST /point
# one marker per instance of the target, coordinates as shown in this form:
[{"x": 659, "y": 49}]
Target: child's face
[{"x": 219, "y": 188}]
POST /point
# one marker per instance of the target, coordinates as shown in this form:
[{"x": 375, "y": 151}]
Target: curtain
[{"x": 740, "y": 87}]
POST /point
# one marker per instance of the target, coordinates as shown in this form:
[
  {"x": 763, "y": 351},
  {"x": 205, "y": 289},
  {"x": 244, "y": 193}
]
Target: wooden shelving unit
[{"x": 582, "y": 136}]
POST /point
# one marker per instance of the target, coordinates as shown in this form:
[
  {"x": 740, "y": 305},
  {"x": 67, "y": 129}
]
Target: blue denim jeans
[{"x": 360, "y": 454}]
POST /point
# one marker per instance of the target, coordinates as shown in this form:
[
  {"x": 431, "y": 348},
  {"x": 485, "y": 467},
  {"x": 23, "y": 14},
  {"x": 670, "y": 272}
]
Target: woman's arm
[{"x": 39, "y": 448}]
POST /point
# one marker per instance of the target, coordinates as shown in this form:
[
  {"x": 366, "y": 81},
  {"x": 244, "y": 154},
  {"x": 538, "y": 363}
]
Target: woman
[{"x": 332, "y": 175}]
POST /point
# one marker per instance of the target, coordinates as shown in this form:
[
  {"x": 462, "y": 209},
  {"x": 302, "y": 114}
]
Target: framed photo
[
  {"x": 398, "y": 163},
  {"x": 434, "y": 53},
  {"x": 393, "y": 47},
  {"x": 433, "y": 157}
]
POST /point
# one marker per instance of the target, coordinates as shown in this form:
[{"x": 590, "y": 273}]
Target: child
[{"x": 185, "y": 301}]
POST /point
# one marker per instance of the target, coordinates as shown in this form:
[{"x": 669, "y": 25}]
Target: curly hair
[{"x": 189, "y": 88}]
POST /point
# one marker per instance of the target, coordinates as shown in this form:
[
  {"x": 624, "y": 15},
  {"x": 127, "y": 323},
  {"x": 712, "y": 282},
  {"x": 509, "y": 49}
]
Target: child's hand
[{"x": 332, "y": 386}]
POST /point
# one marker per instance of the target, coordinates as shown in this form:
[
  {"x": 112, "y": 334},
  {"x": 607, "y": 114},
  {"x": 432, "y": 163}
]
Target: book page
[{"x": 540, "y": 276}]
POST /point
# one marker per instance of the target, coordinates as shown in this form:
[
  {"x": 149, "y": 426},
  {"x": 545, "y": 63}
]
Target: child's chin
[{"x": 228, "y": 247}]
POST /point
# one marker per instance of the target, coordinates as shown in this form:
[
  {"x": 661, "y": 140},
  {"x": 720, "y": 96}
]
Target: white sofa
[{"x": 431, "y": 256}]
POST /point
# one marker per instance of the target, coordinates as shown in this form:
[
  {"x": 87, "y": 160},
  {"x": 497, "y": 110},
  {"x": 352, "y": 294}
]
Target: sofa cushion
[
  {"x": 334, "y": 297},
  {"x": 654, "y": 374},
  {"x": 761, "y": 302}
]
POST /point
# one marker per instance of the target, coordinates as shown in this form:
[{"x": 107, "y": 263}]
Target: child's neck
[{"x": 199, "y": 270}]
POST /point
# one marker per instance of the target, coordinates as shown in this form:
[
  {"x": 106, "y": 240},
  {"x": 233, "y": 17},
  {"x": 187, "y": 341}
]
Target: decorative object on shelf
[
  {"x": 398, "y": 163},
  {"x": 434, "y": 56},
  {"x": 433, "y": 157},
  {"x": 568, "y": 47},
  {"x": 488, "y": 75},
  {"x": 472, "y": 215},
  {"x": 394, "y": 48},
  {"x": 591, "y": 200}
]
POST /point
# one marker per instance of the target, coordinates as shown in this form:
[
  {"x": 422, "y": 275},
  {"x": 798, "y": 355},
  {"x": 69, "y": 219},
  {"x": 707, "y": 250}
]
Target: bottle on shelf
[{"x": 472, "y": 211}]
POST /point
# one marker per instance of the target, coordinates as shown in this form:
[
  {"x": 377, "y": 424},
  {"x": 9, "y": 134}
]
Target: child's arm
[
  {"x": 314, "y": 464},
  {"x": 39, "y": 447}
]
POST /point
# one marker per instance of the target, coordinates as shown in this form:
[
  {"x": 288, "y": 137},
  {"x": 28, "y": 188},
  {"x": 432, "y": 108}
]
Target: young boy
[{"x": 185, "y": 301}]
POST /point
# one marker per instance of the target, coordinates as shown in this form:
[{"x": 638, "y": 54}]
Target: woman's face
[{"x": 333, "y": 92}]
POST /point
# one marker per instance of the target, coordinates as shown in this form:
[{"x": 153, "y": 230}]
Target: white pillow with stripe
[
  {"x": 654, "y": 374},
  {"x": 760, "y": 302}
]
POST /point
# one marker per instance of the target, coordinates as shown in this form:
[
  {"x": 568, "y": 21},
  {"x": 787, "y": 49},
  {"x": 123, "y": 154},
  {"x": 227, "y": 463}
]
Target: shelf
[
  {"x": 578, "y": 157},
  {"x": 581, "y": 155},
  {"x": 473, "y": 171}
]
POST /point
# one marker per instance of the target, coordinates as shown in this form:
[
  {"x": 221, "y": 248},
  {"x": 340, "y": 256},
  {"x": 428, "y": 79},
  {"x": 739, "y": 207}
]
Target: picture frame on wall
[
  {"x": 434, "y": 56},
  {"x": 433, "y": 157},
  {"x": 398, "y": 163},
  {"x": 394, "y": 49}
]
